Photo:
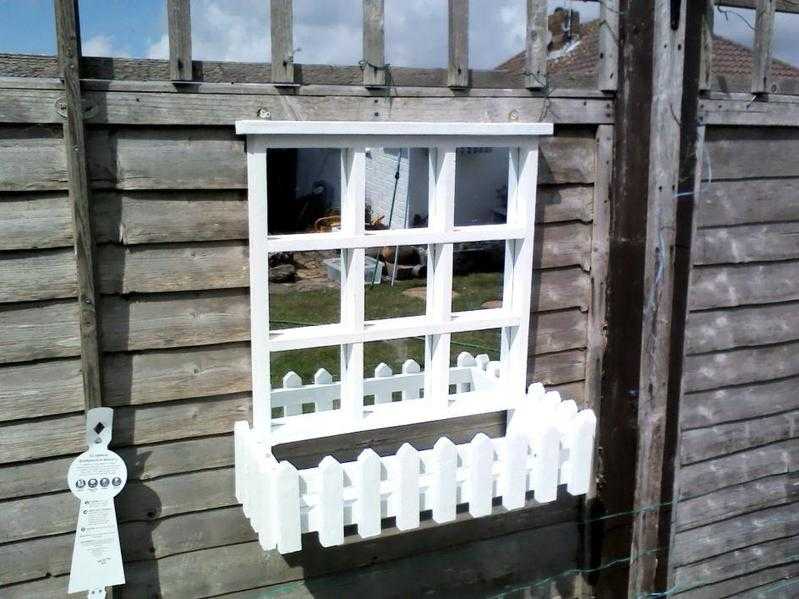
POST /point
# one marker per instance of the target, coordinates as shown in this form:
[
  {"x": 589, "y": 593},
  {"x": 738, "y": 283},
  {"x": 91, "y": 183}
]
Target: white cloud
[
  {"x": 103, "y": 45},
  {"x": 159, "y": 49}
]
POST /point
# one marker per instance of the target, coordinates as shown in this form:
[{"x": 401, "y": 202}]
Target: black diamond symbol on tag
[{"x": 99, "y": 428}]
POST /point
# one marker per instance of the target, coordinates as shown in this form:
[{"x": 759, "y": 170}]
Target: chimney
[{"x": 564, "y": 28}]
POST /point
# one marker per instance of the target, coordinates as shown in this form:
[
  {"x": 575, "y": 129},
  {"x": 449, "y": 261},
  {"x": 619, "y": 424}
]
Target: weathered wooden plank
[
  {"x": 608, "y": 77},
  {"x": 144, "y": 462},
  {"x": 40, "y": 389},
  {"x": 282, "y": 40},
  {"x": 782, "y": 5},
  {"x": 743, "y": 531},
  {"x": 744, "y": 112},
  {"x": 738, "y": 403},
  {"x": 750, "y": 152},
  {"x": 742, "y": 284},
  {"x": 179, "y": 20},
  {"x": 35, "y": 221},
  {"x": 536, "y": 32},
  {"x": 762, "y": 47},
  {"x": 33, "y": 157},
  {"x": 747, "y": 243},
  {"x": 764, "y": 582},
  {"x": 37, "y": 439},
  {"x": 706, "y": 46},
  {"x": 553, "y": 369},
  {"x": 138, "y": 217},
  {"x": 715, "y": 330},
  {"x": 738, "y": 468},
  {"x": 740, "y": 366},
  {"x": 737, "y": 564},
  {"x": 727, "y": 203},
  {"x": 705, "y": 443},
  {"x": 458, "y": 28},
  {"x": 374, "y": 54},
  {"x": 41, "y": 275},
  {"x": 39, "y": 330}
]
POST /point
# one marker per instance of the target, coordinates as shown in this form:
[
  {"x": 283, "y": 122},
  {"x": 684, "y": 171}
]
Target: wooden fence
[{"x": 144, "y": 307}]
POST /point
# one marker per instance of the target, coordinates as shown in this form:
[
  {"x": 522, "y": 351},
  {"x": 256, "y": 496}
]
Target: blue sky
[{"x": 325, "y": 30}]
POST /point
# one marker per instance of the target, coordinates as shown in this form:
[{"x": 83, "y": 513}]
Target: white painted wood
[
  {"x": 581, "y": 452},
  {"x": 259, "y": 283},
  {"x": 323, "y": 377},
  {"x": 240, "y": 431},
  {"x": 368, "y": 494},
  {"x": 262, "y": 517},
  {"x": 481, "y": 463},
  {"x": 444, "y": 488},
  {"x": 331, "y": 505},
  {"x": 292, "y": 380},
  {"x": 482, "y": 360},
  {"x": 545, "y": 446},
  {"x": 406, "y": 487},
  {"x": 514, "y": 471},
  {"x": 464, "y": 360},
  {"x": 352, "y": 128},
  {"x": 383, "y": 370},
  {"x": 411, "y": 391},
  {"x": 286, "y": 508}
]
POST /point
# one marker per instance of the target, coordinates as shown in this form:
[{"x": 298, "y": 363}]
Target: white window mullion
[
  {"x": 353, "y": 198},
  {"x": 517, "y": 285},
  {"x": 259, "y": 284},
  {"x": 439, "y": 274}
]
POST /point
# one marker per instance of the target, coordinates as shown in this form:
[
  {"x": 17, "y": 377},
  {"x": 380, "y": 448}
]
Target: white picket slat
[
  {"x": 240, "y": 431},
  {"x": 322, "y": 401},
  {"x": 481, "y": 483},
  {"x": 285, "y": 494},
  {"x": 292, "y": 380},
  {"x": 465, "y": 360},
  {"x": 514, "y": 471},
  {"x": 367, "y": 509},
  {"x": 581, "y": 452},
  {"x": 383, "y": 395},
  {"x": 411, "y": 391},
  {"x": 444, "y": 485},
  {"x": 546, "y": 461},
  {"x": 262, "y": 517},
  {"x": 331, "y": 502},
  {"x": 406, "y": 487}
]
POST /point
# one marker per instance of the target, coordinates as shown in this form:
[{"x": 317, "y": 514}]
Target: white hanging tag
[{"x": 95, "y": 477}]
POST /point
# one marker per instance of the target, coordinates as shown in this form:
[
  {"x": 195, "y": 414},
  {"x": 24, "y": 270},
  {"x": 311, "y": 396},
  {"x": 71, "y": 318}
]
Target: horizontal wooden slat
[
  {"x": 41, "y": 275},
  {"x": 742, "y": 531},
  {"x": 40, "y": 389},
  {"x": 735, "y": 501},
  {"x": 746, "y": 243},
  {"x": 766, "y": 581},
  {"x": 714, "y": 330},
  {"x": 39, "y": 330},
  {"x": 740, "y": 366},
  {"x": 734, "y": 565},
  {"x": 31, "y": 221},
  {"x": 140, "y": 158},
  {"x": 707, "y": 408},
  {"x": 749, "y": 152},
  {"x": 739, "y": 285},
  {"x": 705, "y": 443},
  {"x": 742, "y": 112},
  {"x": 726, "y": 203},
  {"x": 31, "y": 440},
  {"x": 186, "y": 108},
  {"x": 144, "y": 462},
  {"x": 737, "y": 468}
]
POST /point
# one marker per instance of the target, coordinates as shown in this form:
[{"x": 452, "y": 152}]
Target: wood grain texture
[
  {"x": 707, "y": 408},
  {"x": 35, "y": 221},
  {"x": 374, "y": 54},
  {"x": 737, "y": 468},
  {"x": 722, "y": 439},
  {"x": 751, "y": 586},
  {"x": 40, "y": 389},
  {"x": 536, "y": 32},
  {"x": 32, "y": 157},
  {"x": 42, "y": 275},
  {"x": 747, "y": 243},
  {"x": 762, "y": 46},
  {"x": 281, "y": 26},
  {"x": 39, "y": 330},
  {"x": 740, "y": 366},
  {"x": 179, "y": 22},
  {"x": 727, "y": 203},
  {"x": 743, "y": 531},
  {"x": 714, "y": 330},
  {"x": 458, "y": 35},
  {"x": 753, "y": 152},
  {"x": 739, "y": 285}
]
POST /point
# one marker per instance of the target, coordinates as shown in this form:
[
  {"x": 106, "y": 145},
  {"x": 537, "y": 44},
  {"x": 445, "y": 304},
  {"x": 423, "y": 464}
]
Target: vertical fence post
[
  {"x": 179, "y": 16},
  {"x": 374, "y": 54},
  {"x": 69, "y": 56},
  {"x": 761, "y": 52},
  {"x": 535, "y": 64},
  {"x": 458, "y": 72},
  {"x": 609, "y": 45},
  {"x": 282, "y": 32},
  {"x": 706, "y": 47}
]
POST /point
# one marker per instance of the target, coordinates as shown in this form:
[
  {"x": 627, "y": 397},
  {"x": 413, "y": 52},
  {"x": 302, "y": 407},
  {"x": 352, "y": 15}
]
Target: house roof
[{"x": 730, "y": 59}]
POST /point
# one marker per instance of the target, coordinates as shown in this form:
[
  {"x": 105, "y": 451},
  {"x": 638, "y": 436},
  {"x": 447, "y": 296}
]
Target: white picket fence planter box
[{"x": 549, "y": 443}]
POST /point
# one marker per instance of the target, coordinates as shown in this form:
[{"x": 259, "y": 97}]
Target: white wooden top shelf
[{"x": 382, "y": 128}]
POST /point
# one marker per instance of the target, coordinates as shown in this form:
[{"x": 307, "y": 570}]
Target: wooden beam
[
  {"x": 535, "y": 63},
  {"x": 374, "y": 53},
  {"x": 608, "y": 80},
  {"x": 789, "y": 6},
  {"x": 656, "y": 336},
  {"x": 458, "y": 72},
  {"x": 69, "y": 53},
  {"x": 282, "y": 32},
  {"x": 179, "y": 15},
  {"x": 761, "y": 52},
  {"x": 706, "y": 47}
]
